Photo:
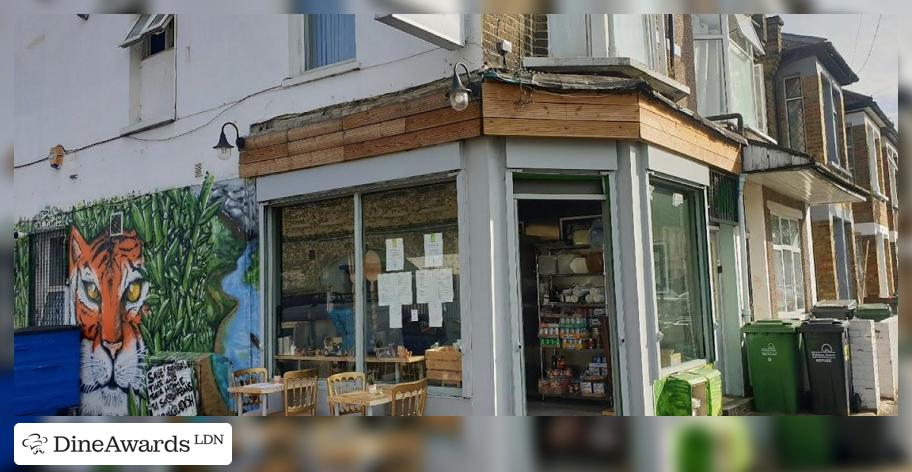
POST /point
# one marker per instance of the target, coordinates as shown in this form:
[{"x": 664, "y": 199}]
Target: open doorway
[{"x": 566, "y": 334}]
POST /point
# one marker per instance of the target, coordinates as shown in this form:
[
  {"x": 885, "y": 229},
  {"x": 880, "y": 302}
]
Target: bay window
[
  {"x": 788, "y": 265},
  {"x": 678, "y": 241},
  {"x": 729, "y": 80},
  {"x": 369, "y": 282}
]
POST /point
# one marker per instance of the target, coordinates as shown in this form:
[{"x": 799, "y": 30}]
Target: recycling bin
[
  {"x": 838, "y": 309},
  {"x": 829, "y": 368},
  {"x": 874, "y": 311},
  {"x": 774, "y": 365}
]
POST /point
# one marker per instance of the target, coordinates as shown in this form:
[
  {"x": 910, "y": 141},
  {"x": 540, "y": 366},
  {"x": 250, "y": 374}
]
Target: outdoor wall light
[
  {"x": 224, "y": 147},
  {"x": 459, "y": 94}
]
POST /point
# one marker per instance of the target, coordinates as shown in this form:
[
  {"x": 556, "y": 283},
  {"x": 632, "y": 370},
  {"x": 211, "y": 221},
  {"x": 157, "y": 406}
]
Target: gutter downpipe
[{"x": 746, "y": 314}]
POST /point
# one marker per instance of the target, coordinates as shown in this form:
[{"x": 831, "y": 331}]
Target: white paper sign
[
  {"x": 444, "y": 285},
  {"x": 414, "y": 314},
  {"x": 395, "y": 316},
  {"x": 426, "y": 284},
  {"x": 171, "y": 391},
  {"x": 387, "y": 289},
  {"x": 433, "y": 250},
  {"x": 395, "y": 254},
  {"x": 435, "y": 315},
  {"x": 404, "y": 288}
]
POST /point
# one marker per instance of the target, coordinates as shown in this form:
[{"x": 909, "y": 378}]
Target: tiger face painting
[{"x": 107, "y": 295}]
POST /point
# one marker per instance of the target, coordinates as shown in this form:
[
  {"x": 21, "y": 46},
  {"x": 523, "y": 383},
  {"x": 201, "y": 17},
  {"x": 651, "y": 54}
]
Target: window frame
[
  {"x": 298, "y": 72},
  {"x": 788, "y": 125},
  {"x": 40, "y": 251},
  {"x": 873, "y": 143},
  {"x": 699, "y": 218},
  {"x": 779, "y": 248},
  {"x": 273, "y": 282},
  {"x": 830, "y": 99},
  {"x": 154, "y": 23}
]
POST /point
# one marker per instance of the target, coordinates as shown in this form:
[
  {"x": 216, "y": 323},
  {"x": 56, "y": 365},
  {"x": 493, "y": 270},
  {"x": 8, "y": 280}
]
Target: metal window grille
[
  {"x": 723, "y": 198},
  {"x": 48, "y": 267}
]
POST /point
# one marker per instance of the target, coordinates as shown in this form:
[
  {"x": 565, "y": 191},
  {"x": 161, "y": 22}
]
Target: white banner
[{"x": 122, "y": 444}]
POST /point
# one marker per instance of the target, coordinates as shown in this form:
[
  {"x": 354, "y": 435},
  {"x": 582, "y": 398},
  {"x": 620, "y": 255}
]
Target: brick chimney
[{"x": 772, "y": 46}]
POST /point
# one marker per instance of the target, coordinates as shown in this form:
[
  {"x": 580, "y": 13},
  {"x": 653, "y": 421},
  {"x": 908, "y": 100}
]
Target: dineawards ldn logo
[{"x": 122, "y": 444}]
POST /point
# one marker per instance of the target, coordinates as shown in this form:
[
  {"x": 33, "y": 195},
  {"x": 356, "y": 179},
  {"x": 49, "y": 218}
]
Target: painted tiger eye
[
  {"x": 134, "y": 290},
  {"x": 91, "y": 290}
]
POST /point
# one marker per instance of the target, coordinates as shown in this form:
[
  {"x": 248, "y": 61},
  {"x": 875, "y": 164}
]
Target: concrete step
[{"x": 737, "y": 406}]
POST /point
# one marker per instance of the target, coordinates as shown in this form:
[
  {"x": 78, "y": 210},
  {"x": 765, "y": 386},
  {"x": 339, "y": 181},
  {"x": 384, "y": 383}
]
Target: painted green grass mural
[{"x": 186, "y": 258}]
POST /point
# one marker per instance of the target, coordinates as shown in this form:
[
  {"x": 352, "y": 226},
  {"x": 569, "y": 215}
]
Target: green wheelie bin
[{"x": 774, "y": 365}]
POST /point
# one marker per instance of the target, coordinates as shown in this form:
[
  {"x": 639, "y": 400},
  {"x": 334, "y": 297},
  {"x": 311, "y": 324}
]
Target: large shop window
[
  {"x": 681, "y": 277},
  {"x": 788, "y": 265},
  {"x": 408, "y": 302}
]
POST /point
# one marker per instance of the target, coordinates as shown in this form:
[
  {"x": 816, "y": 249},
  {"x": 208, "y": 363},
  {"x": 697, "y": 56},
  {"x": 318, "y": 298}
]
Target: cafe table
[
  {"x": 365, "y": 398},
  {"x": 261, "y": 390}
]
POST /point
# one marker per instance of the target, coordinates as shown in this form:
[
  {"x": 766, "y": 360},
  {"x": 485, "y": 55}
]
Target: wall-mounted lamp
[
  {"x": 55, "y": 156},
  {"x": 459, "y": 94},
  {"x": 224, "y": 147}
]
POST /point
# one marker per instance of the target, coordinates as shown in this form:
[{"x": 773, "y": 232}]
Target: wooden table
[
  {"x": 397, "y": 361},
  {"x": 261, "y": 390},
  {"x": 363, "y": 398}
]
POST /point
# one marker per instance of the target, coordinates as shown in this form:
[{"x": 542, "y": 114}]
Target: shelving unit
[{"x": 583, "y": 324}]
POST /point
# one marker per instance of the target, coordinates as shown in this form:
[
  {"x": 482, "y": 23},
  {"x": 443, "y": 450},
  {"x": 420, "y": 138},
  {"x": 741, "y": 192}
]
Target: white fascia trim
[
  {"x": 782, "y": 210},
  {"x": 871, "y": 229},
  {"x": 894, "y": 235}
]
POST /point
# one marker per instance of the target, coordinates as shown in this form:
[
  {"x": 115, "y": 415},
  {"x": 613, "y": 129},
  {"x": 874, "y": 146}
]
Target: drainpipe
[{"x": 745, "y": 266}]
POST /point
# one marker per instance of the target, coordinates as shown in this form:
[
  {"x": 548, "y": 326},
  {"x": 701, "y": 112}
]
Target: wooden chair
[
  {"x": 247, "y": 377},
  {"x": 300, "y": 392},
  {"x": 344, "y": 383},
  {"x": 409, "y": 398}
]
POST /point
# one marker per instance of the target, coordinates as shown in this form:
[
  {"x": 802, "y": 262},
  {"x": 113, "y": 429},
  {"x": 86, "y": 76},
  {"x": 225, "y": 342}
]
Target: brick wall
[
  {"x": 518, "y": 29},
  {"x": 683, "y": 66},
  {"x": 868, "y": 248},
  {"x": 860, "y": 152},
  {"x": 770, "y": 61},
  {"x": 813, "y": 118}
]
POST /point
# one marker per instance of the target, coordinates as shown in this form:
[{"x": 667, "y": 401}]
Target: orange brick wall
[
  {"x": 524, "y": 31},
  {"x": 824, "y": 259}
]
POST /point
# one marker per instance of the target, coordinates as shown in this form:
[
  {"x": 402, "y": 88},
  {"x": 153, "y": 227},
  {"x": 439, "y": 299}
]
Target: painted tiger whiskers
[{"x": 108, "y": 293}]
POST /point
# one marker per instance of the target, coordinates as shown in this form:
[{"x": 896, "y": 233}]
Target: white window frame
[
  {"x": 850, "y": 148},
  {"x": 778, "y": 249},
  {"x": 788, "y": 126},
  {"x": 873, "y": 143},
  {"x": 828, "y": 82},
  {"x": 152, "y": 24},
  {"x": 891, "y": 163},
  {"x": 298, "y": 72},
  {"x": 728, "y": 90}
]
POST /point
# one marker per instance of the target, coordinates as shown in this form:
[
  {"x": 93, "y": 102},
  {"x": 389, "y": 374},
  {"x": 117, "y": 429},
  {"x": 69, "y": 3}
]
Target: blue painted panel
[{"x": 46, "y": 370}]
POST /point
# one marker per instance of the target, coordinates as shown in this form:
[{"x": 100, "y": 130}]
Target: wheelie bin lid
[
  {"x": 825, "y": 325},
  {"x": 873, "y": 311},
  {"x": 771, "y": 326}
]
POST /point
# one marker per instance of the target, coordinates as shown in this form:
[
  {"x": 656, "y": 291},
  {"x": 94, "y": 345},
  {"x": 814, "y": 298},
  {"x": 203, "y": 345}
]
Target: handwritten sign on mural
[{"x": 171, "y": 391}]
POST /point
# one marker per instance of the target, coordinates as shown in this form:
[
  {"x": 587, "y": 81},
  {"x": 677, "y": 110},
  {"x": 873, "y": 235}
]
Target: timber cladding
[
  {"x": 346, "y": 134},
  {"x": 511, "y": 110},
  {"x": 423, "y": 121}
]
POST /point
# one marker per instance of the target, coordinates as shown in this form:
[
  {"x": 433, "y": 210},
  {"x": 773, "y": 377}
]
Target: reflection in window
[
  {"x": 794, "y": 107},
  {"x": 788, "y": 265},
  {"x": 404, "y": 218},
  {"x": 316, "y": 314},
  {"x": 676, "y": 245}
]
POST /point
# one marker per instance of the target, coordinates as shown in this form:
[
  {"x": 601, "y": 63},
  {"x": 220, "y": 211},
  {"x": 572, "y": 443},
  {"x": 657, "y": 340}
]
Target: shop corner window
[
  {"x": 392, "y": 268},
  {"x": 788, "y": 266},
  {"x": 681, "y": 276}
]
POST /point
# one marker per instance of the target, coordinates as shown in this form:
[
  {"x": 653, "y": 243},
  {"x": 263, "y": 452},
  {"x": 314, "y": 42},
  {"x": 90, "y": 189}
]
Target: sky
[{"x": 854, "y": 38}]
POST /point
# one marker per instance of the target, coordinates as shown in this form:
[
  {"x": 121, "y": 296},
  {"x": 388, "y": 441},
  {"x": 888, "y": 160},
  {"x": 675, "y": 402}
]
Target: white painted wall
[
  {"x": 73, "y": 88},
  {"x": 759, "y": 267}
]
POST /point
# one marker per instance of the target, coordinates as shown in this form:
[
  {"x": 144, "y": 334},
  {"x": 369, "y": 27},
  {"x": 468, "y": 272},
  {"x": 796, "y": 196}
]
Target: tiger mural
[{"x": 107, "y": 294}]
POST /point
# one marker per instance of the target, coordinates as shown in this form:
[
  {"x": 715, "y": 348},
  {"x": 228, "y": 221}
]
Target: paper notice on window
[
  {"x": 404, "y": 288},
  {"x": 426, "y": 286},
  {"x": 387, "y": 289},
  {"x": 414, "y": 314},
  {"x": 395, "y": 313},
  {"x": 444, "y": 285},
  {"x": 395, "y": 254},
  {"x": 435, "y": 315},
  {"x": 433, "y": 250}
]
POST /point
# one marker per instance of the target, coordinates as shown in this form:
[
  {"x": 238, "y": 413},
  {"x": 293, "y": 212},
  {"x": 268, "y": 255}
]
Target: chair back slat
[
  {"x": 248, "y": 377},
  {"x": 408, "y": 399},
  {"x": 300, "y": 392},
  {"x": 339, "y": 384}
]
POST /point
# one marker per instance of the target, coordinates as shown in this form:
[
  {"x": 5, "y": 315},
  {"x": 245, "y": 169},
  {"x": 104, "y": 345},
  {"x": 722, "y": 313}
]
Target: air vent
[
  {"x": 116, "y": 228},
  {"x": 198, "y": 170}
]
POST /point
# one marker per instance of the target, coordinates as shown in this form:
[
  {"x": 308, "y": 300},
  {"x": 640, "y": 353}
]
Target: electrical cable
[
  {"x": 857, "y": 35},
  {"x": 871, "y": 49}
]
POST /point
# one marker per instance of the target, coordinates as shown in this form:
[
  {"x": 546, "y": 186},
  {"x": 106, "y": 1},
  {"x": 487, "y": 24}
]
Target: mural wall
[{"x": 170, "y": 271}]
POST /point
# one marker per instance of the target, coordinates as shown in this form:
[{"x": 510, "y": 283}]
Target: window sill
[
  {"x": 761, "y": 134},
  {"x": 144, "y": 125},
  {"x": 322, "y": 72}
]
